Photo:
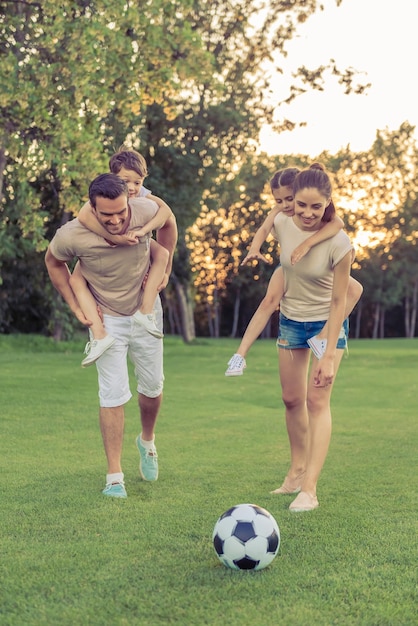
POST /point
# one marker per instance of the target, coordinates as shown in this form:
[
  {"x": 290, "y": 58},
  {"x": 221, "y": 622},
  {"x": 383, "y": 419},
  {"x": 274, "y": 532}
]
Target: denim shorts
[{"x": 293, "y": 335}]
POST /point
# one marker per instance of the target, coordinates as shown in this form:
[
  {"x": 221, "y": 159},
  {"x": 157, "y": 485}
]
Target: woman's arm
[
  {"x": 260, "y": 237},
  {"x": 324, "y": 369},
  {"x": 326, "y": 232}
]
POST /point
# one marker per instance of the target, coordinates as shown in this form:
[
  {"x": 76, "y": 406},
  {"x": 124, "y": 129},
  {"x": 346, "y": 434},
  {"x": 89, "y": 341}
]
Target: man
[{"x": 115, "y": 275}]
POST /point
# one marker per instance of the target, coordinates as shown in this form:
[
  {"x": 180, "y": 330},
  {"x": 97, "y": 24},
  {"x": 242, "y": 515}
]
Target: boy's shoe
[
  {"x": 148, "y": 460},
  {"x": 148, "y": 322},
  {"x": 236, "y": 366},
  {"x": 317, "y": 346},
  {"x": 115, "y": 490},
  {"x": 95, "y": 348}
]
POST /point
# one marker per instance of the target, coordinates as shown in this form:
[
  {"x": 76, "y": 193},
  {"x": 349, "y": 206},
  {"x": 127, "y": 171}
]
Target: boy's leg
[
  {"x": 145, "y": 315},
  {"x": 100, "y": 339}
]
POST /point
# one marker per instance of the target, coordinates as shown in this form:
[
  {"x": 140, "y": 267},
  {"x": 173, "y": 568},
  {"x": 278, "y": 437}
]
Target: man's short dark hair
[{"x": 107, "y": 186}]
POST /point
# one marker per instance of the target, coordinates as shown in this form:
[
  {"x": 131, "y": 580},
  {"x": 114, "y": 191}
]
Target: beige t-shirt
[
  {"x": 114, "y": 273},
  {"x": 308, "y": 283}
]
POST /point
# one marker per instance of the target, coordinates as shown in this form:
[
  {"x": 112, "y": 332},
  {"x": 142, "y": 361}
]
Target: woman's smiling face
[{"x": 310, "y": 207}]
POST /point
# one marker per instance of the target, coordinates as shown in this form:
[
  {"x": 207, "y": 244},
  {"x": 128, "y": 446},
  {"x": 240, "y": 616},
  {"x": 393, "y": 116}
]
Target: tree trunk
[
  {"x": 188, "y": 329},
  {"x": 359, "y": 310},
  {"x": 237, "y": 306},
  {"x": 382, "y": 324},
  {"x": 376, "y": 321}
]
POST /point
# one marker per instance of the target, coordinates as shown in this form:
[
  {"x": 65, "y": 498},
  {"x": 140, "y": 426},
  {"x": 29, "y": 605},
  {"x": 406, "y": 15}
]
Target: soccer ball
[{"x": 246, "y": 537}]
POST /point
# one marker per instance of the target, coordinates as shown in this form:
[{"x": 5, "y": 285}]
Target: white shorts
[{"x": 145, "y": 352}]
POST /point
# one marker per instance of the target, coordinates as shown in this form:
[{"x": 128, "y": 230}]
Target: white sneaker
[
  {"x": 317, "y": 346},
  {"x": 95, "y": 348},
  {"x": 236, "y": 366},
  {"x": 148, "y": 322}
]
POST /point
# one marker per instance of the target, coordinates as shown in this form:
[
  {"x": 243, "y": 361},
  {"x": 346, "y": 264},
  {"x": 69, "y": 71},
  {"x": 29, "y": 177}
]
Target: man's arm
[{"x": 60, "y": 277}]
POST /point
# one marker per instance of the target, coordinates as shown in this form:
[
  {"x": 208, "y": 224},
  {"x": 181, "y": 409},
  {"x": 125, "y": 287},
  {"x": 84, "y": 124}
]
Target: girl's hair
[
  {"x": 284, "y": 178},
  {"x": 130, "y": 160},
  {"x": 315, "y": 176},
  {"x": 107, "y": 186}
]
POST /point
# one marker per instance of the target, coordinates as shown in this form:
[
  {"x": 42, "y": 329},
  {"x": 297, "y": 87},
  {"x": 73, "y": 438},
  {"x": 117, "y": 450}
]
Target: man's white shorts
[{"x": 145, "y": 352}]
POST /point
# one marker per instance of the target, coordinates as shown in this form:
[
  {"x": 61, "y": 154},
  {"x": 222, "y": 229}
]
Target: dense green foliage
[
  {"x": 78, "y": 78},
  {"x": 69, "y": 556}
]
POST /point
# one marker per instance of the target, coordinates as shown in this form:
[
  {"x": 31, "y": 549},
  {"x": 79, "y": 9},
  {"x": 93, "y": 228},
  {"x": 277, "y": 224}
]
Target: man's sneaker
[
  {"x": 115, "y": 490},
  {"x": 95, "y": 348},
  {"x": 236, "y": 366},
  {"x": 317, "y": 346},
  {"x": 148, "y": 322},
  {"x": 148, "y": 460}
]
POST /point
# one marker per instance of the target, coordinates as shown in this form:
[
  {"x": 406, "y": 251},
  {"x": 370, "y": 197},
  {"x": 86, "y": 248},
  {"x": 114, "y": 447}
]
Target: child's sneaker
[
  {"x": 95, "y": 348},
  {"x": 317, "y": 346},
  {"x": 236, "y": 366},
  {"x": 148, "y": 322}
]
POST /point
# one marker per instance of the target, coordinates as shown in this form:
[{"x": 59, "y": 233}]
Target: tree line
[{"x": 79, "y": 78}]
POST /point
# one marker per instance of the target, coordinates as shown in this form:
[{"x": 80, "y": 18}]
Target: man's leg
[
  {"x": 148, "y": 409},
  {"x": 148, "y": 459},
  {"x": 111, "y": 425}
]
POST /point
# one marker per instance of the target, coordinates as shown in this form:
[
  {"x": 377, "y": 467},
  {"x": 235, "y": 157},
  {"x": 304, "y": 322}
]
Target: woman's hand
[{"x": 324, "y": 372}]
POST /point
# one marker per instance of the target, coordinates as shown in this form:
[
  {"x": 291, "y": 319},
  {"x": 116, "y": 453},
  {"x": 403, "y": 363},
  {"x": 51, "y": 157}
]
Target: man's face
[{"x": 112, "y": 214}]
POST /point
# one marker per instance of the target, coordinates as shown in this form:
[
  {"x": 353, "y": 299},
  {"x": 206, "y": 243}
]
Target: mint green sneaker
[
  {"x": 115, "y": 490},
  {"x": 148, "y": 461}
]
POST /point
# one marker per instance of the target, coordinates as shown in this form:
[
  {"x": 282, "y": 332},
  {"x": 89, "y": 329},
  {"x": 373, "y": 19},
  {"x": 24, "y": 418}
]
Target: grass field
[{"x": 69, "y": 556}]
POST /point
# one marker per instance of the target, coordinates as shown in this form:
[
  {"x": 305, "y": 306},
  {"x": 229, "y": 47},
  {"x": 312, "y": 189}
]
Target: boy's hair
[
  {"x": 316, "y": 177},
  {"x": 107, "y": 186},
  {"x": 130, "y": 160},
  {"x": 284, "y": 178}
]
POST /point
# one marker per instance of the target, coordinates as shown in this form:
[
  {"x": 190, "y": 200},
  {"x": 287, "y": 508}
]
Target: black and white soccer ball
[{"x": 246, "y": 536}]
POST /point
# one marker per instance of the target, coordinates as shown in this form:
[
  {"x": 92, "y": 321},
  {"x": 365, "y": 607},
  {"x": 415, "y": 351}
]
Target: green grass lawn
[{"x": 70, "y": 556}]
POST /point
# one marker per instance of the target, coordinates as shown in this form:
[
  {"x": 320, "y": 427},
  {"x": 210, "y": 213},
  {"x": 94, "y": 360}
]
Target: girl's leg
[
  {"x": 101, "y": 341},
  {"x": 293, "y": 368},
  {"x": 258, "y": 322},
  {"x": 354, "y": 292},
  {"x": 145, "y": 315},
  {"x": 320, "y": 426}
]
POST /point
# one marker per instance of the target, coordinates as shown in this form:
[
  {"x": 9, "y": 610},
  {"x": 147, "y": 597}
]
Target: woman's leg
[
  {"x": 293, "y": 368},
  {"x": 320, "y": 426}
]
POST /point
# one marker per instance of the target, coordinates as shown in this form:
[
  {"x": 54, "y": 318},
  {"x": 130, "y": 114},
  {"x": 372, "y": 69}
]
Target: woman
[{"x": 315, "y": 294}]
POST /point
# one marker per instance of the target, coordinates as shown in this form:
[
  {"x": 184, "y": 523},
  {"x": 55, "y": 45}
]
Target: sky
[{"x": 376, "y": 37}]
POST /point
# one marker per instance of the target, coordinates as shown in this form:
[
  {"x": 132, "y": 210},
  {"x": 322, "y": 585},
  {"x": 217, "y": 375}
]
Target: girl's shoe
[{"x": 236, "y": 366}]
